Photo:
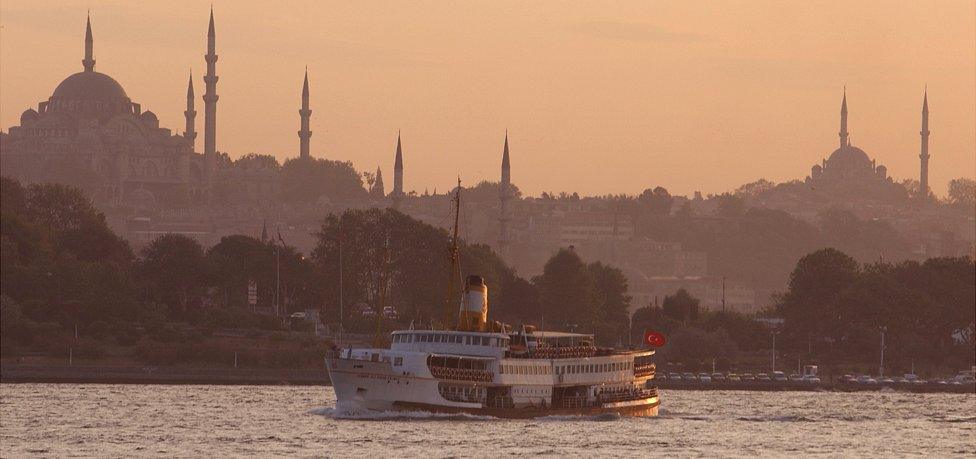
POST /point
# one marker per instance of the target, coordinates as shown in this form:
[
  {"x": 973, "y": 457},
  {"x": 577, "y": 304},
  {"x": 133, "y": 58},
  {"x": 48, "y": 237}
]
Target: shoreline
[
  {"x": 131, "y": 374},
  {"x": 91, "y": 374}
]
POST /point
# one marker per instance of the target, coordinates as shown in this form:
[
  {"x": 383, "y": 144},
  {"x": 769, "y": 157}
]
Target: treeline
[
  {"x": 836, "y": 309},
  {"x": 63, "y": 268},
  {"x": 833, "y": 315}
]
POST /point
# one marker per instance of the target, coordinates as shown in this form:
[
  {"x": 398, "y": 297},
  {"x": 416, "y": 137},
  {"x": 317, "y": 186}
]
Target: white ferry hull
[{"x": 373, "y": 387}]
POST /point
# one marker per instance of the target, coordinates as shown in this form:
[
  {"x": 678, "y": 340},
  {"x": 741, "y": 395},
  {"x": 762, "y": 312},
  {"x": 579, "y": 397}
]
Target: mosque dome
[
  {"x": 90, "y": 86},
  {"x": 848, "y": 157},
  {"x": 90, "y": 92}
]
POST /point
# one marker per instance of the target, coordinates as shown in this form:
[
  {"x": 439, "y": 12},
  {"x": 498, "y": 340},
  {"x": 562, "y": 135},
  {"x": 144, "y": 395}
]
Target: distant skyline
[{"x": 597, "y": 99}]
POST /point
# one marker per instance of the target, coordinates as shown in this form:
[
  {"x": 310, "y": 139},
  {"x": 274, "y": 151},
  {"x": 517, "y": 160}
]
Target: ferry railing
[
  {"x": 557, "y": 352},
  {"x": 644, "y": 369},
  {"x": 461, "y": 374}
]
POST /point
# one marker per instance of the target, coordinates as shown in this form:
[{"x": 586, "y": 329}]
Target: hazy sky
[{"x": 598, "y": 97}]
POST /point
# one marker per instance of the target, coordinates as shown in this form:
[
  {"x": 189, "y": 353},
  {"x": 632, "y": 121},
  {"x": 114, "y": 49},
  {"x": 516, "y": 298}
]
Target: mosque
[
  {"x": 849, "y": 172},
  {"x": 91, "y": 134}
]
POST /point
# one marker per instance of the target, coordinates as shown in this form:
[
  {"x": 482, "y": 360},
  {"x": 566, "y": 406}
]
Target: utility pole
[
  {"x": 723, "y": 293},
  {"x": 340, "y": 277},
  {"x": 774, "y": 349},
  {"x": 883, "y": 329}
]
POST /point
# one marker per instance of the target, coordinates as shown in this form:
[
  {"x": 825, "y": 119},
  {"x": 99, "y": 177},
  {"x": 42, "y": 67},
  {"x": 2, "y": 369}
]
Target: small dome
[
  {"x": 90, "y": 86},
  {"x": 848, "y": 157},
  {"x": 148, "y": 115},
  {"x": 28, "y": 116}
]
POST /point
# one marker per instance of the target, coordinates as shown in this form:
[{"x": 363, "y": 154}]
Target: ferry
[{"x": 489, "y": 368}]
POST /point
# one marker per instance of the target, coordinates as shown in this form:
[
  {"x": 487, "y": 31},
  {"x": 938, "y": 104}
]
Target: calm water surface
[{"x": 146, "y": 420}]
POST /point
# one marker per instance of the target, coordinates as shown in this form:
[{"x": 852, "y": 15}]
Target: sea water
[{"x": 217, "y": 421}]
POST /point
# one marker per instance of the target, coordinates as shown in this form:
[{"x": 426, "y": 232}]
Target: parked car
[
  {"x": 912, "y": 378},
  {"x": 747, "y": 377},
  {"x": 796, "y": 377},
  {"x": 674, "y": 376},
  {"x": 965, "y": 379},
  {"x": 690, "y": 377},
  {"x": 704, "y": 378},
  {"x": 733, "y": 378},
  {"x": 887, "y": 381},
  {"x": 718, "y": 377},
  {"x": 779, "y": 376},
  {"x": 763, "y": 377},
  {"x": 811, "y": 379},
  {"x": 847, "y": 379},
  {"x": 865, "y": 379}
]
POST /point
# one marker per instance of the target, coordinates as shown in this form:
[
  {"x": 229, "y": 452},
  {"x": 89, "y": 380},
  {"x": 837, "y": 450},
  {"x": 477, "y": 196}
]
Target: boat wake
[
  {"x": 362, "y": 414},
  {"x": 604, "y": 417}
]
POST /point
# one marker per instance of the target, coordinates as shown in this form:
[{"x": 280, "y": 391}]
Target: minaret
[
  {"x": 89, "y": 61},
  {"x": 210, "y": 97},
  {"x": 504, "y": 191},
  {"x": 191, "y": 115},
  {"x": 398, "y": 176},
  {"x": 923, "y": 178},
  {"x": 304, "y": 134},
  {"x": 843, "y": 121}
]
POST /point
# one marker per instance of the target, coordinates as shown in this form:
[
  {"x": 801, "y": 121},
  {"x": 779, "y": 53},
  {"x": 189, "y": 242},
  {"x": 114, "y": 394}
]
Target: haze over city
[{"x": 597, "y": 99}]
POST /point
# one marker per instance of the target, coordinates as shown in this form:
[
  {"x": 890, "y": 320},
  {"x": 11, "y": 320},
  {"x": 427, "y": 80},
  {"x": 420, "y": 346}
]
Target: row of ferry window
[
  {"x": 451, "y": 339},
  {"x": 524, "y": 369},
  {"x": 593, "y": 368}
]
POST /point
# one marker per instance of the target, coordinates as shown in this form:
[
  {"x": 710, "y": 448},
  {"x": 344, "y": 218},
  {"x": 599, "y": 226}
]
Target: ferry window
[
  {"x": 397, "y": 361},
  {"x": 485, "y": 341},
  {"x": 467, "y": 339}
]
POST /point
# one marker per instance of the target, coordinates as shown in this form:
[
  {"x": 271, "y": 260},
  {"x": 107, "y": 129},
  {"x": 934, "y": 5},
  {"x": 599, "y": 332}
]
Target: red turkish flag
[{"x": 654, "y": 339}]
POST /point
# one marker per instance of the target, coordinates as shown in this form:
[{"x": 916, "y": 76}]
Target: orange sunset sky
[{"x": 598, "y": 97}]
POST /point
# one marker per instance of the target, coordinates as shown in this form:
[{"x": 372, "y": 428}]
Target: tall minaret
[
  {"x": 505, "y": 193},
  {"x": 923, "y": 178},
  {"x": 398, "y": 176},
  {"x": 843, "y": 121},
  {"x": 210, "y": 97},
  {"x": 89, "y": 61},
  {"x": 304, "y": 135},
  {"x": 191, "y": 115}
]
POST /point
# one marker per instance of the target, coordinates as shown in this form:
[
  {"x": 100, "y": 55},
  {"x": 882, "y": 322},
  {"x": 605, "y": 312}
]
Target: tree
[
  {"x": 753, "y": 190},
  {"x": 566, "y": 291},
  {"x": 730, "y": 205},
  {"x": 811, "y": 304},
  {"x": 681, "y": 306},
  {"x": 486, "y": 191},
  {"x": 962, "y": 192},
  {"x": 390, "y": 259},
  {"x": 172, "y": 270},
  {"x": 656, "y": 201},
  {"x": 610, "y": 289},
  {"x": 305, "y": 180}
]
